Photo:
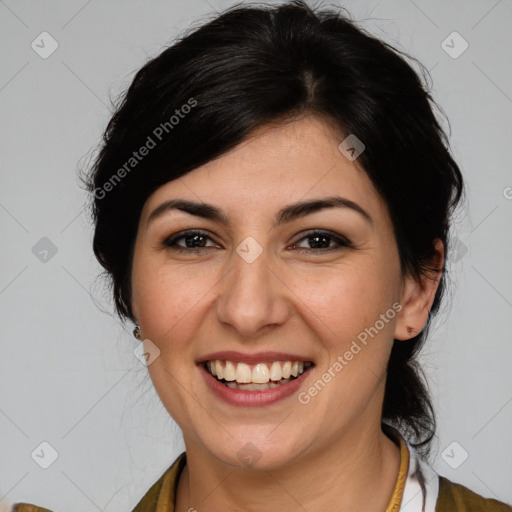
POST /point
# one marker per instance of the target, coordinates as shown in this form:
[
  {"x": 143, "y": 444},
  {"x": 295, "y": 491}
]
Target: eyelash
[{"x": 342, "y": 241}]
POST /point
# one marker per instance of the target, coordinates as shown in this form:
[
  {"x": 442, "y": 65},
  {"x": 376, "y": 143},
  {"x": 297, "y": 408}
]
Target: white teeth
[
  {"x": 229, "y": 371},
  {"x": 256, "y": 387},
  {"x": 243, "y": 373},
  {"x": 218, "y": 367},
  {"x": 252, "y": 386},
  {"x": 259, "y": 374},
  {"x": 275, "y": 371}
]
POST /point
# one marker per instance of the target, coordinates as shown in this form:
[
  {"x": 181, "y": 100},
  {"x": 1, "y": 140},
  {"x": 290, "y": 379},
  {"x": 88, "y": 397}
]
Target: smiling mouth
[{"x": 257, "y": 377}]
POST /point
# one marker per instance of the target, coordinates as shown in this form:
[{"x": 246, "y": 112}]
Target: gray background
[{"x": 68, "y": 373}]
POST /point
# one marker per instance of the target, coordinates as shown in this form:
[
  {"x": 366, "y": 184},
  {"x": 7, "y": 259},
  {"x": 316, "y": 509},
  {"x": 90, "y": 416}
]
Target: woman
[{"x": 272, "y": 203}]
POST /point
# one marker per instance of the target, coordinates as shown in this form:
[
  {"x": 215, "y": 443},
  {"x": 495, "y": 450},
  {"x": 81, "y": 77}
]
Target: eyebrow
[{"x": 286, "y": 214}]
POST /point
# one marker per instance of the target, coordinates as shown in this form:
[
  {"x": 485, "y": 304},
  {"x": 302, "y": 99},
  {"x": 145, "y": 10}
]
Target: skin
[{"x": 331, "y": 450}]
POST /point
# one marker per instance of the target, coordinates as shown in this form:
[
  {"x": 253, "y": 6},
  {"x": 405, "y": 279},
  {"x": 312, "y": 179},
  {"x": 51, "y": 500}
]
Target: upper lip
[{"x": 258, "y": 357}]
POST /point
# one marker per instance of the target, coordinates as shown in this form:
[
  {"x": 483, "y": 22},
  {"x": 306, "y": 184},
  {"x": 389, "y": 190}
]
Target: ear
[{"x": 417, "y": 297}]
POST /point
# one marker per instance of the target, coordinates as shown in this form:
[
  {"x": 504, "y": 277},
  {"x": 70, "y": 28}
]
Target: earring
[
  {"x": 136, "y": 331},
  {"x": 410, "y": 330}
]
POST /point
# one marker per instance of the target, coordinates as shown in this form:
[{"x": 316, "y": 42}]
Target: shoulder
[
  {"x": 161, "y": 494},
  {"x": 163, "y": 489},
  {"x": 456, "y": 497},
  {"x": 28, "y": 507},
  {"x": 147, "y": 504}
]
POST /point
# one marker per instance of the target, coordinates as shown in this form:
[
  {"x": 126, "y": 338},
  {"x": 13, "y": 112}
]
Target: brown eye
[
  {"x": 194, "y": 240},
  {"x": 320, "y": 241}
]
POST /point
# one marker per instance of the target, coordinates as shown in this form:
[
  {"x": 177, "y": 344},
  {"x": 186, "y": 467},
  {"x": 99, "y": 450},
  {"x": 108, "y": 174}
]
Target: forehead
[{"x": 277, "y": 164}]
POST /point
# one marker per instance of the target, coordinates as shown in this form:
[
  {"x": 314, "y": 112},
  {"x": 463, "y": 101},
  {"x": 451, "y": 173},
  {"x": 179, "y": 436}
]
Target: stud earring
[
  {"x": 136, "y": 331},
  {"x": 410, "y": 330}
]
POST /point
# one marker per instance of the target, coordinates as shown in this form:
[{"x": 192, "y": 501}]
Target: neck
[{"x": 356, "y": 472}]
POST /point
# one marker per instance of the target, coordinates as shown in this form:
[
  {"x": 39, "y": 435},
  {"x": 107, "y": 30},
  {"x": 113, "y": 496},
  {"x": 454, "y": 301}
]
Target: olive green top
[{"x": 452, "y": 497}]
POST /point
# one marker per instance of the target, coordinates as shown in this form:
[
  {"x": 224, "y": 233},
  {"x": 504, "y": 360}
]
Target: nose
[{"x": 253, "y": 297}]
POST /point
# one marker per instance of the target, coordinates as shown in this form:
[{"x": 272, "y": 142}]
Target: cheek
[
  {"x": 170, "y": 307},
  {"x": 347, "y": 298},
  {"x": 168, "y": 301},
  {"x": 344, "y": 309},
  {"x": 171, "y": 304}
]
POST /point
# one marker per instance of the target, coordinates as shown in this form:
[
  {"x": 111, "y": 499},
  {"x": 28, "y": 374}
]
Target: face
[{"x": 257, "y": 291}]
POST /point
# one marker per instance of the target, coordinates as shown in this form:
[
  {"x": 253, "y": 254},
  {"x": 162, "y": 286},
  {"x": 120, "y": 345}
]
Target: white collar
[{"x": 421, "y": 486}]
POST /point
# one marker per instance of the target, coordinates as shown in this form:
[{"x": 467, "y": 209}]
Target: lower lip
[{"x": 252, "y": 398}]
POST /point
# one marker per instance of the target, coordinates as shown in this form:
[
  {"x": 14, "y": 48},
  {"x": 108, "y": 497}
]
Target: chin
[{"x": 257, "y": 452}]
